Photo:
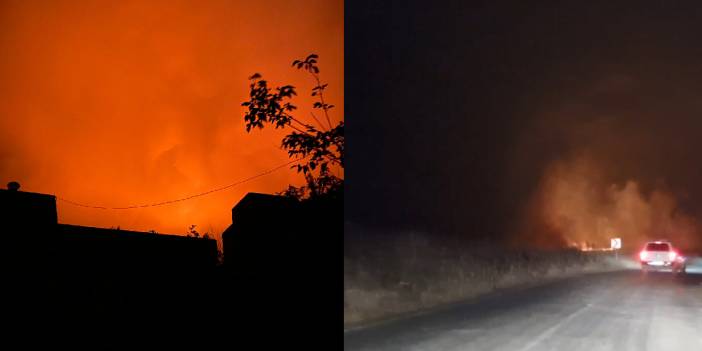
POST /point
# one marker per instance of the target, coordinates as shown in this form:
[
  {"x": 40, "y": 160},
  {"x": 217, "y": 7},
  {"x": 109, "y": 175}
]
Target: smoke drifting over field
[
  {"x": 579, "y": 207},
  {"x": 616, "y": 156}
]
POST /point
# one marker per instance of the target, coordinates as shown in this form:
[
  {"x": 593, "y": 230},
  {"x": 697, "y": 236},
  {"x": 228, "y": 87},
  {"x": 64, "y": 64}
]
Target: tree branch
[
  {"x": 321, "y": 99},
  {"x": 302, "y": 124},
  {"x": 318, "y": 122}
]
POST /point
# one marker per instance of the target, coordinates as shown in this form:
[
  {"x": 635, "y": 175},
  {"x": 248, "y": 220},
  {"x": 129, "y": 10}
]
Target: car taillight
[
  {"x": 672, "y": 255},
  {"x": 643, "y": 255}
]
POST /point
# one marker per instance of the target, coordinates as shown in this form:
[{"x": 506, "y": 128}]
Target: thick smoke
[
  {"x": 579, "y": 207},
  {"x": 614, "y": 162}
]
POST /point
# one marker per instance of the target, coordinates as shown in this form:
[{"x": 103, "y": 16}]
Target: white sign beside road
[{"x": 616, "y": 243}]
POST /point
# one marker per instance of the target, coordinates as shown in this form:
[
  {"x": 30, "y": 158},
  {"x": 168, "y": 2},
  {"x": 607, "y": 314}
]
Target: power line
[{"x": 188, "y": 197}]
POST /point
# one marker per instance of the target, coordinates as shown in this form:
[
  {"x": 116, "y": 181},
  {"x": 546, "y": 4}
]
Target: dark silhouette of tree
[
  {"x": 192, "y": 232},
  {"x": 317, "y": 146}
]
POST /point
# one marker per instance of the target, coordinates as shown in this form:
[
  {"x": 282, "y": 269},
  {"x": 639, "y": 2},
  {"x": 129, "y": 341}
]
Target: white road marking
[{"x": 548, "y": 332}]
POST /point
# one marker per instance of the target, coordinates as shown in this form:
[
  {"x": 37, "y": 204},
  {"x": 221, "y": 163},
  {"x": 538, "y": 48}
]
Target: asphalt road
[{"x": 606, "y": 311}]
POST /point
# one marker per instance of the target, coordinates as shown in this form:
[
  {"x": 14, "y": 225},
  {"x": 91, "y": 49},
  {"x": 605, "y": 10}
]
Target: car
[{"x": 661, "y": 256}]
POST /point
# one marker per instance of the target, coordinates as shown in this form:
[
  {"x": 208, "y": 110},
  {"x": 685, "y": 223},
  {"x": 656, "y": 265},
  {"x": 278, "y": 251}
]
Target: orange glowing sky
[{"x": 117, "y": 103}]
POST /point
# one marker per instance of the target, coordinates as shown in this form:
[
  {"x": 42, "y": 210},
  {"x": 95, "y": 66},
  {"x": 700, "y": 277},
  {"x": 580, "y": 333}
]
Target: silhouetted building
[
  {"x": 263, "y": 227},
  {"x": 53, "y": 270},
  {"x": 272, "y": 233},
  {"x": 277, "y": 254},
  {"x": 30, "y": 220},
  {"x": 25, "y": 209}
]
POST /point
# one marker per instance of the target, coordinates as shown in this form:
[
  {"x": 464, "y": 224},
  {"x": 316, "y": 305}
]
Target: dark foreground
[
  {"x": 199, "y": 310},
  {"x": 67, "y": 287},
  {"x": 608, "y": 311}
]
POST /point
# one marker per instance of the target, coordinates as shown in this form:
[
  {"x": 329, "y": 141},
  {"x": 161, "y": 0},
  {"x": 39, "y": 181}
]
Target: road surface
[{"x": 605, "y": 311}]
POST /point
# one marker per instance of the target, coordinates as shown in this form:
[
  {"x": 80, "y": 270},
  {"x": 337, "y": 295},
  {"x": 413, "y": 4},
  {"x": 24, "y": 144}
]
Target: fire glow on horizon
[
  {"x": 139, "y": 102},
  {"x": 581, "y": 209}
]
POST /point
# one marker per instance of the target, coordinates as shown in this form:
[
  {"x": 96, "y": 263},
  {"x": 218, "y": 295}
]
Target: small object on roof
[{"x": 13, "y": 186}]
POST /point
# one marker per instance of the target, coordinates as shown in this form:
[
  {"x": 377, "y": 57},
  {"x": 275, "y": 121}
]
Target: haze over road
[{"x": 605, "y": 311}]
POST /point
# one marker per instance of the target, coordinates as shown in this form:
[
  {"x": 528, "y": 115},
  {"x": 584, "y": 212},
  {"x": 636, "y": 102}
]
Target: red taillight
[
  {"x": 643, "y": 255},
  {"x": 672, "y": 255}
]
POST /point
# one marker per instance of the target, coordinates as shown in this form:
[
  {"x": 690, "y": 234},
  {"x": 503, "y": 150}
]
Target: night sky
[
  {"x": 125, "y": 103},
  {"x": 506, "y": 120}
]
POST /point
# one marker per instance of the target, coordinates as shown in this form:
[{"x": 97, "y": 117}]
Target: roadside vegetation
[{"x": 389, "y": 275}]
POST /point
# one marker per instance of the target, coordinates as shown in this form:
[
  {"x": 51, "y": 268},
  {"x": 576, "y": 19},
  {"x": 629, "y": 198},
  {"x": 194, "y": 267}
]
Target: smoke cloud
[
  {"x": 579, "y": 207},
  {"x": 614, "y": 164}
]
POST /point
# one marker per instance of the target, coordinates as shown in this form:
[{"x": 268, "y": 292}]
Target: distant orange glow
[
  {"x": 575, "y": 205},
  {"x": 133, "y": 102}
]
